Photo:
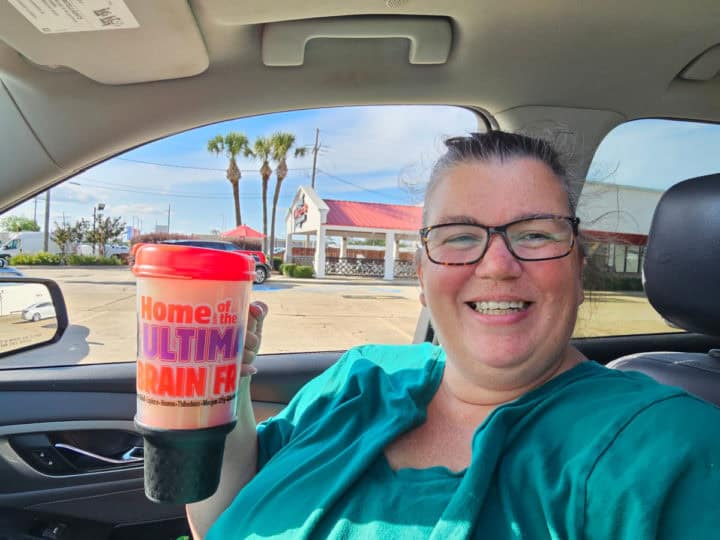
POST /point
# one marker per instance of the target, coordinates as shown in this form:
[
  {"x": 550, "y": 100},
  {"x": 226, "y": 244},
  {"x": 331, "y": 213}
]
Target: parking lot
[{"x": 305, "y": 315}]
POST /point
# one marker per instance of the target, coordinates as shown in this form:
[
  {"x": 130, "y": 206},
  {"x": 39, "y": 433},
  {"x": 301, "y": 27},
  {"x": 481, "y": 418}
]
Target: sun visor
[{"x": 111, "y": 42}]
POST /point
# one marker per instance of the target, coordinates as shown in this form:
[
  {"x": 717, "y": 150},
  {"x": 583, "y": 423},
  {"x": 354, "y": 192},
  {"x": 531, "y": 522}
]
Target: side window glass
[
  {"x": 344, "y": 187},
  {"x": 633, "y": 166}
]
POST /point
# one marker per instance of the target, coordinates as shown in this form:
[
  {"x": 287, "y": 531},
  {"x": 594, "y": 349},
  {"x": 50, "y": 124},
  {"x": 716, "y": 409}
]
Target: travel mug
[{"x": 192, "y": 306}]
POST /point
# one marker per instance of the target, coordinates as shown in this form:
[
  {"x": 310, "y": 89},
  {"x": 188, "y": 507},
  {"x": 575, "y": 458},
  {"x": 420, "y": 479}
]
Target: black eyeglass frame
[{"x": 502, "y": 231}]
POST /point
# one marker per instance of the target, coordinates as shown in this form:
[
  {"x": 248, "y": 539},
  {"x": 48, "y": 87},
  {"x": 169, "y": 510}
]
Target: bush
[
  {"x": 303, "y": 272},
  {"x": 289, "y": 269},
  {"x": 92, "y": 260},
  {"x": 41, "y": 257},
  {"x": 611, "y": 282},
  {"x": 277, "y": 263}
]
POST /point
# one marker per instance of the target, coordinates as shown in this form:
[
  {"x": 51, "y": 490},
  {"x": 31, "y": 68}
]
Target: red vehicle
[{"x": 262, "y": 267}]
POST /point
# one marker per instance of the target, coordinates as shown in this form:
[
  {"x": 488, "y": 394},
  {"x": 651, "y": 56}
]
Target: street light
[{"x": 96, "y": 215}]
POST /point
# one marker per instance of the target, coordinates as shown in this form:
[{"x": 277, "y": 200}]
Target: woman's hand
[{"x": 253, "y": 335}]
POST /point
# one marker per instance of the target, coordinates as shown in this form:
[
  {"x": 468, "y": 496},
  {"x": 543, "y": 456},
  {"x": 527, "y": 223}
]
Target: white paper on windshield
[{"x": 60, "y": 16}]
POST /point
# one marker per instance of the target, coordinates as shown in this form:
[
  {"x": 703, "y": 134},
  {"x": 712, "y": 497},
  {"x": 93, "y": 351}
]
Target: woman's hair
[{"x": 497, "y": 145}]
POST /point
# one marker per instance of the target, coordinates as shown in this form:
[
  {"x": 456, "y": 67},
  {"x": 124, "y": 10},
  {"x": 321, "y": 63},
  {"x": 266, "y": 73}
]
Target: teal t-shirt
[{"x": 594, "y": 453}]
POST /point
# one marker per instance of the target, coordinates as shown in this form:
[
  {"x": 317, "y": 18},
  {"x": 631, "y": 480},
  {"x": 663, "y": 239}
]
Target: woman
[{"x": 506, "y": 430}]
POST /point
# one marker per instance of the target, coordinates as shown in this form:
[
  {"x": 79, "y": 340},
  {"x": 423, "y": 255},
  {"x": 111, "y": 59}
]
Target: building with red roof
[
  {"x": 311, "y": 216},
  {"x": 615, "y": 221}
]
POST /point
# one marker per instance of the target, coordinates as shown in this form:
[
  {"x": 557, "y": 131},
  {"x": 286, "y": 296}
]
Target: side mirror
[{"x": 32, "y": 314}]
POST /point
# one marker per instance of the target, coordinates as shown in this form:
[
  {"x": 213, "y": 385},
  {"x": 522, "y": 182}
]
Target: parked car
[
  {"x": 36, "y": 312},
  {"x": 7, "y": 270},
  {"x": 69, "y": 101},
  {"x": 262, "y": 269}
]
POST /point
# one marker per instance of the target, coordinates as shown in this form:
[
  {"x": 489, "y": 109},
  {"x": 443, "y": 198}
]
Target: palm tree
[
  {"x": 231, "y": 145},
  {"x": 263, "y": 150},
  {"x": 282, "y": 143}
]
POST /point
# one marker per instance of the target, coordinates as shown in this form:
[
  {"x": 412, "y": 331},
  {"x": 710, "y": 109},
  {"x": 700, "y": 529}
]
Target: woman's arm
[{"x": 240, "y": 457}]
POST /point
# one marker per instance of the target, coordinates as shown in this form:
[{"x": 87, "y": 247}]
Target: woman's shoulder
[
  {"x": 628, "y": 413},
  {"x": 392, "y": 358},
  {"x": 399, "y": 366},
  {"x": 370, "y": 369}
]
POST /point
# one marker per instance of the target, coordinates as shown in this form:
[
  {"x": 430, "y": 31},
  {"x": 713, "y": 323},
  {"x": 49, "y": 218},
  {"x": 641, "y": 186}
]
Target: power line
[
  {"x": 359, "y": 186},
  {"x": 93, "y": 182},
  {"x": 178, "y": 166},
  {"x": 114, "y": 187}
]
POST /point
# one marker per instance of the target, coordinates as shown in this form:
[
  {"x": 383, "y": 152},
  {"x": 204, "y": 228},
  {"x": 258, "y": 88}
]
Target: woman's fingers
[{"x": 253, "y": 336}]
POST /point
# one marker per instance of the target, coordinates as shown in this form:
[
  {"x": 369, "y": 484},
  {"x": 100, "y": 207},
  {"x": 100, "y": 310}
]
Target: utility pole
[
  {"x": 96, "y": 216},
  {"x": 168, "y": 229},
  {"x": 47, "y": 220},
  {"x": 315, "y": 151},
  {"x": 35, "y": 210}
]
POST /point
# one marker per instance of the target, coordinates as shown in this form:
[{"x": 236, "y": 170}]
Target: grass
[{"x": 612, "y": 313}]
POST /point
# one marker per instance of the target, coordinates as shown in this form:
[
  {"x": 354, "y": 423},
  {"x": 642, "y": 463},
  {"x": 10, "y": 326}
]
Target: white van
[{"x": 27, "y": 242}]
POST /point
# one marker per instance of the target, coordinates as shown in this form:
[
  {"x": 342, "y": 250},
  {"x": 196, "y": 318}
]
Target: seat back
[{"x": 681, "y": 276}]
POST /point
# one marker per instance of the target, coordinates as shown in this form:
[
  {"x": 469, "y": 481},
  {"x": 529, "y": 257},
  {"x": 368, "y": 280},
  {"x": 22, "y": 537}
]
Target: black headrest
[{"x": 682, "y": 260}]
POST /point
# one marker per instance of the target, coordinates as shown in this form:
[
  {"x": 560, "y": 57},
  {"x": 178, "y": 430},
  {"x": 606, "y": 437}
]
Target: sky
[{"x": 364, "y": 154}]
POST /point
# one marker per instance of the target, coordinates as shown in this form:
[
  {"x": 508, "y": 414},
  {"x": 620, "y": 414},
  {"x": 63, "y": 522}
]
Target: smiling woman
[{"x": 423, "y": 441}]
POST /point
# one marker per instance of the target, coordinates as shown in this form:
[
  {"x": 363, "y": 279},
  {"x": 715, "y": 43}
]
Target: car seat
[{"x": 681, "y": 276}]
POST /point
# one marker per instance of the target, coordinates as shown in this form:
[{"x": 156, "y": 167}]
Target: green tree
[
  {"x": 18, "y": 223},
  {"x": 66, "y": 236},
  {"x": 107, "y": 230},
  {"x": 282, "y": 143},
  {"x": 232, "y": 145},
  {"x": 263, "y": 149}
]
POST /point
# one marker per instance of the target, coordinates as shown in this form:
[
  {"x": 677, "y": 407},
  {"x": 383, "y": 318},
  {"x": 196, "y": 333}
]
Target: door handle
[{"x": 132, "y": 455}]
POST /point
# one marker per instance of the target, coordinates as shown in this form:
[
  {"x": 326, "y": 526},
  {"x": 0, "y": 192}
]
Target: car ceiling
[{"x": 585, "y": 66}]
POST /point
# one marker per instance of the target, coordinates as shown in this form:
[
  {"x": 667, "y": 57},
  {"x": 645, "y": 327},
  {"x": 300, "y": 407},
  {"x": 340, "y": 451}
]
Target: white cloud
[{"x": 382, "y": 138}]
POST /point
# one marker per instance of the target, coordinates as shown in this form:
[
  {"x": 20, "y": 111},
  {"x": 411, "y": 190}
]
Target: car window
[
  {"x": 361, "y": 169},
  {"x": 633, "y": 166}
]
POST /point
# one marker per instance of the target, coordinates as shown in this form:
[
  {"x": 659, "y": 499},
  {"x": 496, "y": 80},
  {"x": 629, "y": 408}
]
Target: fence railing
[
  {"x": 351, "y": 266},
  {"x": 405, "y": 269},
  {"x": 346, "y": 266},
  {"x": 303, "y": 260}
]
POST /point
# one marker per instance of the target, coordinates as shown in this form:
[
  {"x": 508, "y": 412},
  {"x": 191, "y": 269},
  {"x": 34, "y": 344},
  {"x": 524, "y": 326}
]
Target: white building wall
[
  {"x": 316, "y": 209},
  {"x": 614, "y": 208}
]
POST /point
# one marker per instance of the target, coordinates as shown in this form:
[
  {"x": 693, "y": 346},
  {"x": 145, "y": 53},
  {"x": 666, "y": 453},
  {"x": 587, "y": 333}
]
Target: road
[{"x": 305, "y": 315}]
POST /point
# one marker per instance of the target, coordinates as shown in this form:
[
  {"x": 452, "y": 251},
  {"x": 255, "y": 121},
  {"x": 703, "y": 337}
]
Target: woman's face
[{"x": 509, "y": 349}]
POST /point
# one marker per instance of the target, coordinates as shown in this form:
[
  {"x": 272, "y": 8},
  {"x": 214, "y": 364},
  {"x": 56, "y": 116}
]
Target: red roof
[
  {"x": 243, "y": 231},
  {"x": 618, "y": 237},
  {"x": 374, "y": 215}
]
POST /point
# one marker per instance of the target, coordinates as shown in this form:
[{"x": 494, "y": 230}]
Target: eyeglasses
[{"x": 538, "y": 238}]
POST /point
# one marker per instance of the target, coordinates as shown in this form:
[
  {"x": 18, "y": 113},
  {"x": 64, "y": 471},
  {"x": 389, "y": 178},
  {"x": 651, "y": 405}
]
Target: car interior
[{"x": 73, "y": 96}]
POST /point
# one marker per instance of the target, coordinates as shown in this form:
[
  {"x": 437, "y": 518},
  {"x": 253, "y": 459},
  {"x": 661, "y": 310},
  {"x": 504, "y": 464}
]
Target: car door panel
[{"x": 68, "y": 403}]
